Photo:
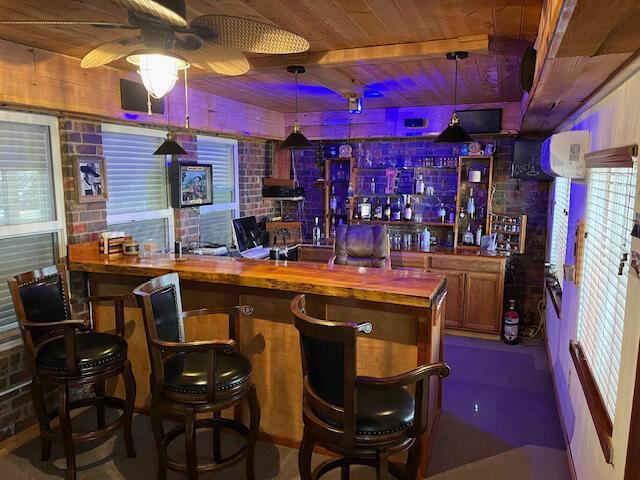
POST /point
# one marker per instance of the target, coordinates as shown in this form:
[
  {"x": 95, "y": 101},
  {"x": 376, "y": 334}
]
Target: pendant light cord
[
  {"x": 455, "y": 88},
  {"x": 186, "y": 100},
  {"x": 296, "y": 97}
]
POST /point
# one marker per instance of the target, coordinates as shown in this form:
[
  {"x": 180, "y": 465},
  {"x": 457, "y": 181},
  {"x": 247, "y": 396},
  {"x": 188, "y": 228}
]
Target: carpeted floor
[{"x": 499, "y": 423}]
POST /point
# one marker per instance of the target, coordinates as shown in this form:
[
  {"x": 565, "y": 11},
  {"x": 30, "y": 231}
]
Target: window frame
[
  {"x": 166, "y": 213},
  {"x": 57, "y": 227},
  {"x": 555, "y": 235},
  {"x": 235, "y": 205}
]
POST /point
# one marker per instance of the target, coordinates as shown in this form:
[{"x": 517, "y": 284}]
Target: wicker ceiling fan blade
[
  {"x": 112, "y": 51},
  {"x": 69, "y": 22},
  {"x": 248, "y": 35},
  {"x": 218, "y": 59},
  {"x": 155, "y": 9}
]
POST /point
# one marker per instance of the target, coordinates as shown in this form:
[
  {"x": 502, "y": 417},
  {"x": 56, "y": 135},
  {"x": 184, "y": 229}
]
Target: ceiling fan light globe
[{"x": 159, "y": 72}]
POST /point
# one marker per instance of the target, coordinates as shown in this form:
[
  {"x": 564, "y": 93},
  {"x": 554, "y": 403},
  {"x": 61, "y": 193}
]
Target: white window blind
[
  {"x": 138, "y": 200},
  {"x": 559, "y": 229},
  {"x": 13, "y": 260},
  {"x": 31, "y": 200},
  {"x": 26, "y": 179},
  {"x": 215, "y": 220},
  {"x": 610, "y": 205}
]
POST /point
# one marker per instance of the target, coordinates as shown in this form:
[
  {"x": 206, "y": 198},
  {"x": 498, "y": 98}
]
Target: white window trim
[
  {"x": 235, "y": 205},
  {"x": 57, "y": 226},
  {"x": 166, "y": 213}
]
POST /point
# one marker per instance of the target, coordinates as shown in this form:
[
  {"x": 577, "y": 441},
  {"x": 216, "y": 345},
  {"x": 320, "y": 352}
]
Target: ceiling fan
[{"x": 166, "y": 43}]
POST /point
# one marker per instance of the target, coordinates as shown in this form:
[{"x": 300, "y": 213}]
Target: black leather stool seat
[
  {"x": 382, "y": 411},
  {"x": 187, "y": 372},
  {"x": 94, "y": 349}
]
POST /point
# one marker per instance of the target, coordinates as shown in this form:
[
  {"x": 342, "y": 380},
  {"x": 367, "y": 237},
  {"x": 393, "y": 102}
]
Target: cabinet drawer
[{"x": 465, "y": 263}]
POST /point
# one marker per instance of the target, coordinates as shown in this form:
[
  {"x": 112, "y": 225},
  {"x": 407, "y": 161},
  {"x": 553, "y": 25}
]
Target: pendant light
[
  {"x": 296, "y": 139},
  {"x": 170, "y": 146},
  {"x": 454, "y": 133}
]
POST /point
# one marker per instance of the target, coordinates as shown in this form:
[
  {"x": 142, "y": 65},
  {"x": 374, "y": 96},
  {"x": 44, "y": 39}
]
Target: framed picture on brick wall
[{"x": 91, "y": 180}]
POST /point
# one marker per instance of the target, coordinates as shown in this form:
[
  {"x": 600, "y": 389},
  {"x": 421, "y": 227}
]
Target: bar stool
[
  {"x": 193, "y": 378},
  {"x": 362, "y": 246},
  {"x": 63, "y": 352},
  {"x": 362, "y": 419}
]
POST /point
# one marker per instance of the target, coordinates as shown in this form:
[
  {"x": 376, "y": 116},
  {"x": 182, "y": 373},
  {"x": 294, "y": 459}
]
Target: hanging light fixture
[
  {"x": 159, "y": 72},
  {"x": 170, "y": 146},
  {"x": 296, "y": 139},
  {"x": 454, "y": 133}
]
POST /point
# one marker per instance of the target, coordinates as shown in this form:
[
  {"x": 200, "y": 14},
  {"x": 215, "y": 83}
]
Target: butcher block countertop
[{"x": 398, "y": 287}]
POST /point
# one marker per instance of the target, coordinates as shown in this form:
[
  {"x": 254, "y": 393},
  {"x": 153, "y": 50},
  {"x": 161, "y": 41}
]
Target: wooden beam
[{"x": 400, "y": 52}]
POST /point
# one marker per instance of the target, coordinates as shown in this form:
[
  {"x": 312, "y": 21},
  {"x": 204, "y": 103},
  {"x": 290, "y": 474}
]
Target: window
[
  {"x": 138, "y": 201},
  {"x": 215, "y": 220},
  {"x": 31, "y": 200},
  {"x": 610, "y": 205},
  {"x": 560, "y": 226}
]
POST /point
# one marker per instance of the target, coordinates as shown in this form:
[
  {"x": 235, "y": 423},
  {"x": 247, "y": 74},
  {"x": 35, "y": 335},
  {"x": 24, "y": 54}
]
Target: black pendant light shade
[
  {"x": 454, "y": 133},
  {"x": 170, "y": 147},
  {"x": 296, "y": 139}
]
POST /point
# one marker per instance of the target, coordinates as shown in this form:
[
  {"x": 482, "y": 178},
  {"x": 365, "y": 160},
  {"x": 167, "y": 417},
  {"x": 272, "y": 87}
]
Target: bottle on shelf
[
  {"x": 373, "y": 185},
  {"x": 316, "y": 232},
  {"x": 396, "y": 211},
  {"x": 350, "y": 191},
  {"x": 386, "y": 213},
  {"x": 365, "y": 209},
  {"x": 442, "y": 213},
  {"x": 333, "y": 201},
  {"x": 420, "y": 184},
  {"x": 425, "y": 241},
  {"x": 467, "y": 238},
  {"x": 478, "y": 235},
  {"x": 332, "y": 230},
  {"x": 407, "y": 213},
  {"x": 471, "y": 204},
  {"x": 377, "y": 211}
]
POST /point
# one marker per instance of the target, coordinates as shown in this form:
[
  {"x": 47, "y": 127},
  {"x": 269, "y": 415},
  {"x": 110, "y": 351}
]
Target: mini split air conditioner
[{"x": 562, "y": 154}]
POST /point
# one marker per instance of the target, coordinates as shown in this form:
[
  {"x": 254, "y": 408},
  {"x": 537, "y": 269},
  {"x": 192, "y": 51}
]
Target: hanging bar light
[
  {"x": 296, "y": 139},
  {"x": 454, "y": 133}
]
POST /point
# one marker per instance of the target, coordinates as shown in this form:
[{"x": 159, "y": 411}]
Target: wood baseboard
[{"x": 466, "y": 333}]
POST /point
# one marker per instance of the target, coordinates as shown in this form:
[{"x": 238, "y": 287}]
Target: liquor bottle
[
  {"x": 420, "y": 184},
  {"x": 425, "y": 241},
  {"x": 467, "y": 238},
  {"x": 377, "y": 211},
  {"x": 396, "y": 211},
  {"x": 442, "y": 213},
  {"x": 407, "y": 214},
  {"x": 365, "y": 209},
  {"x": 373, "y": 185},
  {"x": 316, "y": 232},
  {"x": 478, "y": 235},
  {"x": 333, "y": 201},
  {"x": 350, "y": 190},
  {"x": 332, "y": 230},
  {"x": 386, "y": 213},
  {"x": 471, "y": 204}
]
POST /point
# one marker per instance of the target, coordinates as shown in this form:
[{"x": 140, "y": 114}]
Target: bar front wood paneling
[{"x": 405, "y": 307}]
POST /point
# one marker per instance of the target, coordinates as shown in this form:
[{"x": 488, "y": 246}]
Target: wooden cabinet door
[
  {"x": 482, "y": 307},
  {"x": 455, "y": 295}
]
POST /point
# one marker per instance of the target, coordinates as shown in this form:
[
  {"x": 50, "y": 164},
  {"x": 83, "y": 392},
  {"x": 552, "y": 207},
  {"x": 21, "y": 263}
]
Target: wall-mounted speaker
[
  {"x": 481, "y": 121},
  {"x": 133, "y": 96}
]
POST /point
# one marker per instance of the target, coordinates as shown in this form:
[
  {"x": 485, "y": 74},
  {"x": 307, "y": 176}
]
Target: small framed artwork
[
  {"x": 195, "y": 185},
  {"x": 91, "y": 180}
]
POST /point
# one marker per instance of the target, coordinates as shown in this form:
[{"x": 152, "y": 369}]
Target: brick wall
[
  {"x": 186, "y": 220},
  {"x": 255, "y": 162},
  {"x": 525, "y": 275}
]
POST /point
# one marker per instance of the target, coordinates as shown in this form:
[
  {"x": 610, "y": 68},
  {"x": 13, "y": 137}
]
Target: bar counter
[{"x": 405, "y": 307}]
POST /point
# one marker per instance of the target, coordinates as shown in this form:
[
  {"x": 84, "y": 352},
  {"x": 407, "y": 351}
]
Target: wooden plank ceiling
[{"x": 490, "y": 75}]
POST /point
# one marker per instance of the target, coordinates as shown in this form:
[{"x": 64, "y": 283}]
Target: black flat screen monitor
[{"x": 247, "y": 232}]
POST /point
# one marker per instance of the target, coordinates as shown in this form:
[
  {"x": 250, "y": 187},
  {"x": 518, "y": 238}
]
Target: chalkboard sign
[{"x": 526, "y": 160}]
